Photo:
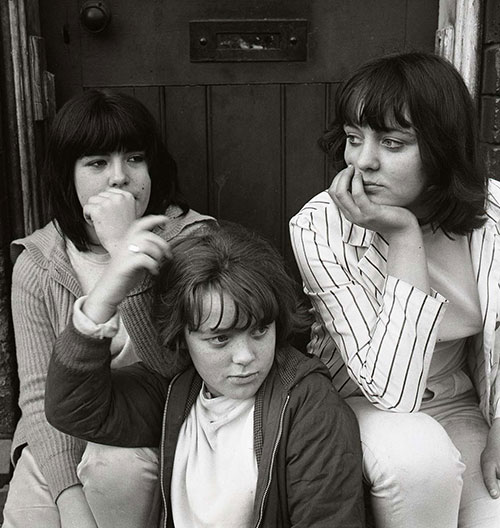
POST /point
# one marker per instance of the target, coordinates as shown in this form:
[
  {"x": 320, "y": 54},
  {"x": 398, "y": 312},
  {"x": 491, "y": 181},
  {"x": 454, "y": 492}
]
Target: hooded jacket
[{"x": 306, "y": 439}]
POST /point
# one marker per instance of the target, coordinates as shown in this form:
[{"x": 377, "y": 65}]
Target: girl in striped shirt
[{"x": 401, "y": 260}]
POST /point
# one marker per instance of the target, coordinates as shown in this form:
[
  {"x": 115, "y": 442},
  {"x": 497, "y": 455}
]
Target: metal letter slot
[{"x": 248, "y": 40}]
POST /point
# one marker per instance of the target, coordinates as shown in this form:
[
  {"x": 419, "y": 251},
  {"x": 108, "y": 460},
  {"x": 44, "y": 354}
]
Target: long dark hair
[
  {"x": 426, "y": 92},
  {"x": 97, "y": 122}
]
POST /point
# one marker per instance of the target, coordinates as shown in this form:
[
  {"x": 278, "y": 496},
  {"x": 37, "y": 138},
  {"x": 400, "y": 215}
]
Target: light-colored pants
[
  {"x": 121, "y": 486},
  {"x": 424, "y": 468}
]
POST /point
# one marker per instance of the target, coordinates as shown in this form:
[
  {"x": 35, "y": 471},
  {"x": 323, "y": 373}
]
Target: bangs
[
  {"x": 109, "y": 129},
  {"x": 252, "y": 307},
  {"x": 380, "y": 102}
]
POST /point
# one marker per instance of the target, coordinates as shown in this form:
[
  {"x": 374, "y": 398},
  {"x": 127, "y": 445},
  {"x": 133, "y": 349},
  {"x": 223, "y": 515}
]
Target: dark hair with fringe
[
  {"x": 426, "y": 92},
  {"x": 99, "y": 122},
  {"x": 226, "y": 259}
]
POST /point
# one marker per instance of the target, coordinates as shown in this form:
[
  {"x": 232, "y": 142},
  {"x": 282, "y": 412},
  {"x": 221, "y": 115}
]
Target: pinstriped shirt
[{"x": 377, "y": 333}]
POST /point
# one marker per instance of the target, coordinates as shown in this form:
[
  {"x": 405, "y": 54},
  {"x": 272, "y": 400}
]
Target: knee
[
  {"x": 108, "y": 465},
  {"x": 412, "y": 448}
]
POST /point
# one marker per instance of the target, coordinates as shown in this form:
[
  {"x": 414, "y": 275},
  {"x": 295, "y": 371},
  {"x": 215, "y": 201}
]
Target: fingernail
[{"x": 494, "y": 493}]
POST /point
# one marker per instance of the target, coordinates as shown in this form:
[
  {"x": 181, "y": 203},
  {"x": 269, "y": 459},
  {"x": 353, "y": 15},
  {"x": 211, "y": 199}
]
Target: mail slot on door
[{"x": 248, "y": 40}]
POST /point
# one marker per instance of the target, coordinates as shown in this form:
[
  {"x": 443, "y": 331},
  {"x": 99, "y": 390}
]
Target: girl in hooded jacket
[{"x": 251, "y": 432}]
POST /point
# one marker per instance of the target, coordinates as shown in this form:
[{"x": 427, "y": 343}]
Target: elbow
[{"x": 394, "y": 405}]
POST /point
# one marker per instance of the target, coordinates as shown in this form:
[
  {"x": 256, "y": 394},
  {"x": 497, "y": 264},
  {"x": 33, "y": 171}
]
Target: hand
[
  {"x": 490, "y": 460},
  {"x": 74, "y": 509},
  {"x": 347, "y": 192},
  {"x": 139, "y": 250},
  {"x": 110, "y": 213}
]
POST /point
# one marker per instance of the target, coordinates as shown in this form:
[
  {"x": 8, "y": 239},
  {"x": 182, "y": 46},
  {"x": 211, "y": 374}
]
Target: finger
[
  {"x": 343, "y": 196},
  {"x": 358, "y": 193},
  {"x": 144, "y": 261},
  {"x": 333, "y": 186},
  {"x": 87, "y": 214},
  {"x": 155, "y": 248},
  {"x": 490, "y": 478},
  {"x": 110, "y": 194},
  {"x": 149, "y": 222}
]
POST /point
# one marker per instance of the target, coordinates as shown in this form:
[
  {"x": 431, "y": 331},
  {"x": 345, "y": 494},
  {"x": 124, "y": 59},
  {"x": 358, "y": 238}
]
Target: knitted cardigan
[{"x": 44, "y": 288}]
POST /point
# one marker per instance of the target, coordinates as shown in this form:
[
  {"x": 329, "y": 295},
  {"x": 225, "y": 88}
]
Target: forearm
[
  {"x": 74, "y": 510},
  {"x": 85, "y": 399},
  {"x": 406, "y": 259},
  {"x": 384, "y": 327}
]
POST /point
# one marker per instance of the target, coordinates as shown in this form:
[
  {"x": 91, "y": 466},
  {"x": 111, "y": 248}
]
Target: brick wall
[{"x": 490, "y": 89}]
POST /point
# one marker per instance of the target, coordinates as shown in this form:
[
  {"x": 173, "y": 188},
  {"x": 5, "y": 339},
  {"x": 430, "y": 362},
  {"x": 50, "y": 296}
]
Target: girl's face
[
  {"x": 121, "y": 170},
  {"x": 232, "y": 362},
  {"x": 390, "y": 164}
]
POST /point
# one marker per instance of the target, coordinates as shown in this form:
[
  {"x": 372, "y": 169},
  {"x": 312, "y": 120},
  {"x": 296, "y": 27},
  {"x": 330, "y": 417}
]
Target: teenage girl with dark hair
[
  {"x": 105, "y": 166},
  {"x": 401, "y": 260},
  {"x": 252, "y": 432}
]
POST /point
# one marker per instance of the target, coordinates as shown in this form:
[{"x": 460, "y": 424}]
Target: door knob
[{"x": 95, "y": 16}]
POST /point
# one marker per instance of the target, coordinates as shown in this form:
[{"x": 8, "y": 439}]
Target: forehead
[
  {"x": 382, "y": 109},
  {"x": 217, "y": 309}
]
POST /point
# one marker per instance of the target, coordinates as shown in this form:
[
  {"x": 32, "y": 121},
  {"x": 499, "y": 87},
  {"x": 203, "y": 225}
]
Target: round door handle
[{"x": 95, "y": 16}]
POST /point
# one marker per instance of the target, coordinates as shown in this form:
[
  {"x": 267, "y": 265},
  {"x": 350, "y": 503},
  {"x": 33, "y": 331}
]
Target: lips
[{"x": 241, "y": 379}]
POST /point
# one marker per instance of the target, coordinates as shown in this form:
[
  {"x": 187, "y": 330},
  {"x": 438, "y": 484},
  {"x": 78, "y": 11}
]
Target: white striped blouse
[{"x": 375, "y": 333}]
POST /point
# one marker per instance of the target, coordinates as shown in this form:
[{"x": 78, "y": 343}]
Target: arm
[
  {"x": 386, "y": 338},
  {"x": 136, "y": 313},
  {"x": 490, "y": 460},
  {"x": 74, "y": 509},
  {"x": 85, "y": 398},
  {"x": 406, "y": 259},
  {"x": 56, "y": 454},
  {"x": 324, "y": 474},
  {"x": 82, "y": 397}
]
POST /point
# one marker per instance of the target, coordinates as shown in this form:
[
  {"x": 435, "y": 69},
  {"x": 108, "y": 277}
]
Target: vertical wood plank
[
  {"x": 305, "y": 162},
  {"x": 247, "y": 157},
  {"x": 185, "y": 124}
]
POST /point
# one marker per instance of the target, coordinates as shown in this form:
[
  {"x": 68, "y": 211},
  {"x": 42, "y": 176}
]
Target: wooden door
[{"x": 243, "y": 132}]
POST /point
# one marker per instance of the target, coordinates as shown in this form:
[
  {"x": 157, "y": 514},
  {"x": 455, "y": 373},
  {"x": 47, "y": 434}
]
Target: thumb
[{"x": 490, "y": 472}]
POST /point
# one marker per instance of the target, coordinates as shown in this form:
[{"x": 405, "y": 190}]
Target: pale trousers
[
  {"x": 121, "y": 486},
  {"x": 423, "y": 468}
]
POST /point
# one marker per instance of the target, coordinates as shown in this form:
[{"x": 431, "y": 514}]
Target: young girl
[
  {"x": 105, "y": 166},
  {"x": 401, "y": 260},
  {"x": 252, "y": 434}
]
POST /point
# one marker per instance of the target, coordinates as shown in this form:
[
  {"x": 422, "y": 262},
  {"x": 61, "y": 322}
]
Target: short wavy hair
[
  {"x": 226, "y": 258},
  {"x": 97, "y": 122},
  {"x": 426, "y": 92}
]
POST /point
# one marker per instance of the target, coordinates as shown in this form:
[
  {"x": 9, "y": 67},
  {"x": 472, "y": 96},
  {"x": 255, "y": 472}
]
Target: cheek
[{"x": 348, "y": 156}]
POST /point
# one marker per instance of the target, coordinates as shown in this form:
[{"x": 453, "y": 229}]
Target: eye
[
  {"x": 219, "y": 340},
  {"x": 260, "y": 331},
  {"x": 392, "y": 144},
  {"x": 137, "y": 158},
  {"x": 96, "y": 163},
  {"x": 354, "y": 140}
]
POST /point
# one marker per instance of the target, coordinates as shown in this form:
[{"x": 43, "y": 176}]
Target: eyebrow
[{"x": 406, "y": 131}]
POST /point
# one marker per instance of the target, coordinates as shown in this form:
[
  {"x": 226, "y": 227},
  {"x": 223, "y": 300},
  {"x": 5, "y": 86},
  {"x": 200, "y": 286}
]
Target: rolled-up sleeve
[{"x": 385, "y": 333}]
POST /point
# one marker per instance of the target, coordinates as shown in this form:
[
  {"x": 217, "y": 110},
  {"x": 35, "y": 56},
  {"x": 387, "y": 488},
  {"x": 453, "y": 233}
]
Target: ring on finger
[{"x": 133, "y": 248}]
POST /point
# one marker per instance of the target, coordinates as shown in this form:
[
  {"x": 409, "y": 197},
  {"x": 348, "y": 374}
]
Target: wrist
[{"x": 408, "y": 235}]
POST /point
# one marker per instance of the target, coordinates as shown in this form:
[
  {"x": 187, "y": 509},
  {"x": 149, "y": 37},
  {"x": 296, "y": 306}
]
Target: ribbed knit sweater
[{"x": 44, "y": 288}]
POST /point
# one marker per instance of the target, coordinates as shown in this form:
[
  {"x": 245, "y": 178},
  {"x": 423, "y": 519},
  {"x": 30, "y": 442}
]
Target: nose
[
  {"x": 118, "y": 173},
  {"x": 368, "y": 156},
  {"x": 244, "y": 351}
]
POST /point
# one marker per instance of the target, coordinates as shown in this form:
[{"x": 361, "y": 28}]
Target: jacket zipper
[
  {"x": 162, "y": 451},
  {"x": 275, "y": 448}
]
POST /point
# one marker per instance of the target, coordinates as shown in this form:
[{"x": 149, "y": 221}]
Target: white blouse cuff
[{"x": 87, "y": 327}]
